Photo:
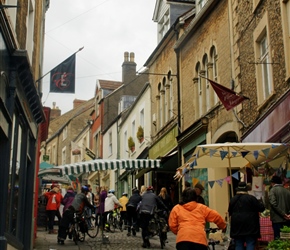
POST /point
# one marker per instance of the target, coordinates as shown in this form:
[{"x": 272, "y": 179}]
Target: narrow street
[{"x": 118, "y": 240}]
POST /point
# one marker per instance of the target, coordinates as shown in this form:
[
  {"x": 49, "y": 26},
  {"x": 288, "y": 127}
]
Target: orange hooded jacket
[{"x": 188, "y": 222}]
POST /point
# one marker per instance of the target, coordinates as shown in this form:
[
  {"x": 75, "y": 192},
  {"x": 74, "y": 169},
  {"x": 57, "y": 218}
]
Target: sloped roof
[{"x": 111, "y": 85}]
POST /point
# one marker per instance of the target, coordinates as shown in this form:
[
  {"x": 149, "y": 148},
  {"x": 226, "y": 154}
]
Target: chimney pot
[
  {"x": 126, "y": 56},
  {"x": 132, "y": 57}
]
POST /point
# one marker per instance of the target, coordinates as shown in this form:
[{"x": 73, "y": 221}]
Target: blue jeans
[{"x": 250, "y": 243}]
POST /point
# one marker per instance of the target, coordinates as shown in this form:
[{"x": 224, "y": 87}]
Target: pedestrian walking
[
  {"x": 101, "y": 210},
  {"x": 165, "y": 198},
  {"x": 198, "y": 189},
  {"x": 244, "y": 212},
  {"x": 123, "y": 211},
  {"x": 187, "y": 220},
  {"x": 132, "y": 214},
  {"x": 68, "y": 198},
  {"x": 53, "y": 204},
  {"x": 148, "y": 204},
  {"x": 279, "y": 199}
]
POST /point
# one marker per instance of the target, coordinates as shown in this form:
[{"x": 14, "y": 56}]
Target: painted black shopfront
[{"x": 20, "y": 114}]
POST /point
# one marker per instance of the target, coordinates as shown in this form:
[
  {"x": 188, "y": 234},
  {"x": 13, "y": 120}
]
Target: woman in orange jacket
[{"x": 187, "y": 220}]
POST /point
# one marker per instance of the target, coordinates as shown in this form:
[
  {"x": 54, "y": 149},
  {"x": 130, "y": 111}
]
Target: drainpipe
[{"x": 177, "y": 51}]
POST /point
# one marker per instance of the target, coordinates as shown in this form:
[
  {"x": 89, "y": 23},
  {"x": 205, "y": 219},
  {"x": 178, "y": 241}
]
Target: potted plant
[
  {"x": 140, "y": 134},
  {"x": 131, "y": 144}
]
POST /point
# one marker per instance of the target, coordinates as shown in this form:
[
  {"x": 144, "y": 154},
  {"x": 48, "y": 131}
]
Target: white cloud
[{"x": 106, "y": 29}]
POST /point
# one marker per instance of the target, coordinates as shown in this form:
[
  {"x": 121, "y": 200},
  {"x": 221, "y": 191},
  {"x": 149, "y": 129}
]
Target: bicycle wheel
[
  {"x": 110, "y": 222},
  {"x": 93, "y": 230},
  {"x": 79, "y": 233},
  {"x": 74, "y": 235}
]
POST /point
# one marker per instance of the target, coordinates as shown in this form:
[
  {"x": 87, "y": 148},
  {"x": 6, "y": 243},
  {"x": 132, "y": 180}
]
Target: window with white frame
[
  {"x": 63, "y": 156},
  {"x": 207, "y": 90},
  {"x": 142, "y": 118},
  {"x": 264, "y": 60},
  {"x": 54, "y": 155},
  {"x": 163, "y": 25},
  {"x": 125, "y": 142},
  {"x": 214, "y": 69},
  {"x": 170, "y": 97},
  {"x": 199, "y": 89},
  {"x": 165, "y": 110},
  {"x": 64, "y": 133},
  {"x": 264, "y": 77},
  {"x": 110, "y": 143},
  {"x": 133, "y": 129},
  {"x": 160, "y": 106}
]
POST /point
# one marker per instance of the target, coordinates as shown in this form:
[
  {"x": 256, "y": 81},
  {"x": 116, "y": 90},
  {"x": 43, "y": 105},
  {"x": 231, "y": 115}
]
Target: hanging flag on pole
[
  {"x": 62, "y": 77},
  {"x": 228, "y": 97}
]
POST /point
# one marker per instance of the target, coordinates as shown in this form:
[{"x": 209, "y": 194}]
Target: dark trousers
[
  {"x": 144, "y": 223},
  {"x": 187, "y": 245},
  {"x": 276, "y": 228},
  {"x": 50, "y": 215},
  {"x": 132, "y": 217},
  {"x": 58, "y": 215},
  {"x": 123, "y": 215},
  {"x": 67, "y": 218}
]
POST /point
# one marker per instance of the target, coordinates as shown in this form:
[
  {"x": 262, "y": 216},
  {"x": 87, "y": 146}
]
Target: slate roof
[{"x": 110, "y": 85}]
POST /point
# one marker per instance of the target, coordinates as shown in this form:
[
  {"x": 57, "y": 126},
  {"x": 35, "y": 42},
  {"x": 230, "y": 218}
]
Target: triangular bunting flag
[
  {"x": 212, "y": 152},
  {"x": 223, "y": 154},
  {"x": 234, "y": 153},
  {"x": 220, "y": 182},
  {"x": 244, "y": 153},
  {"x": 256, "y": 154},
  {"x": 228, "y": 179},
  {"x": 266, "y": 151},
  {"x": 236, "y": 175},
  {"x": 211, "y": 183}
]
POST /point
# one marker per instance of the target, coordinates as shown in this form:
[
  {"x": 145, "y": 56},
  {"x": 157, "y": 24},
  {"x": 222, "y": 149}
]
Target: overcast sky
[{"x": 106, "y": 29}]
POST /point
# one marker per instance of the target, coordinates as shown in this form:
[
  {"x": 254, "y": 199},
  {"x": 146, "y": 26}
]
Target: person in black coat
[
  {"x": 244, "y": 218},
  {"x": 132, "y": 214},
  {"x": 149, "y": 203}
]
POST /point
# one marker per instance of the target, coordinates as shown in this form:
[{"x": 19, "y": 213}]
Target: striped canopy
[{"x": 107, "y": 164}]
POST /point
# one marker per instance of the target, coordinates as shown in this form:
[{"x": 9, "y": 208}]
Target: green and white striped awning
[{"x": 107, "y": 164}]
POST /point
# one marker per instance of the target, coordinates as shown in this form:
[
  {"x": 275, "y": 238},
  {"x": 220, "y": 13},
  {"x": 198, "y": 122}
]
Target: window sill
[{"x": 266, "y": 101}]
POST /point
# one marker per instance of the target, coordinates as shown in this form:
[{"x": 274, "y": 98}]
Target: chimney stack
[{"x": 129, "y": 68}]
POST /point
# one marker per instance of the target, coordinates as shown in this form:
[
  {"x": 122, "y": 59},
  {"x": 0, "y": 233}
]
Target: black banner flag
[{"x": 62, "y": 77}]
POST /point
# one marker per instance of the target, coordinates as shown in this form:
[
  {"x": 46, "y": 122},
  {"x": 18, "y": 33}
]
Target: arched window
[
  {"x": 206, "y": 75},
  {"x": 213, "y": 59},
  {"x": 198, "y": 89},
  {"x": 169, "y": 78},
  {"x": 165, "y": 100},
  {"x": 160, "y": 115}
]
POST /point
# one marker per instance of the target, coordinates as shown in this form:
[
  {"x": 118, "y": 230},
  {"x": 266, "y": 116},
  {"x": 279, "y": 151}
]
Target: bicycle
[
  {"x": 81, "y": 225},
  {"x": 113, "y": 220},
  {"x": 158, "y": 226},
  {"x": 212, "y": 242}
]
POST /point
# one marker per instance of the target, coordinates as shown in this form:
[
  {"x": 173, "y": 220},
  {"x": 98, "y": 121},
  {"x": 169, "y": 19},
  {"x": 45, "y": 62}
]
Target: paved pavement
[{"x": 116, "y": 241}]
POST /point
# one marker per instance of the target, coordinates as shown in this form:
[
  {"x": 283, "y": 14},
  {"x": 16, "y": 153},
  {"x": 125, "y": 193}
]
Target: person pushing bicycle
[{"x": 79, "y": 203}]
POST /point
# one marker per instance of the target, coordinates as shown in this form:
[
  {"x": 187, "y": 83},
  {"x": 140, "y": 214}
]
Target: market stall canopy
[
  {"x": 45, "y": 165},
  {"x": 226, "y": 155},
  {"x": 107, "y": 164}
]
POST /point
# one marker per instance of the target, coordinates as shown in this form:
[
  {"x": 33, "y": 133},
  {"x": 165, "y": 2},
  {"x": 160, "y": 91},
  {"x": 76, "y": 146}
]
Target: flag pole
[{"x": 51, "y": 69}]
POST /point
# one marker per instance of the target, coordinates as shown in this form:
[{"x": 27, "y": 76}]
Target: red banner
[{"x": 228, "y": 97}]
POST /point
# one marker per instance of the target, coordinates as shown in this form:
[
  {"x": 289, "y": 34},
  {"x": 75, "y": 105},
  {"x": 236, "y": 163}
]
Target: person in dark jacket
[
  {"x": 198, "y": 189},
  {"x": 132, "y": 215},
  {"x": 148, "y": 204},
  {"x": 79, "y": 203},
  {"x": 68, "y": 198},
  {"x": 244, "y": 218},
  {"x": 279, "y": 199}
]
